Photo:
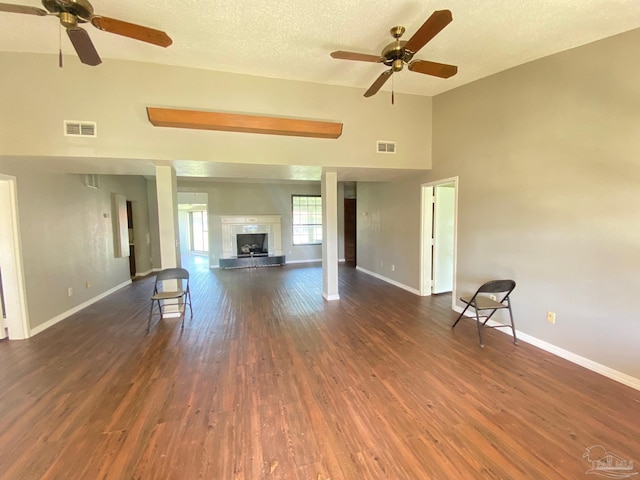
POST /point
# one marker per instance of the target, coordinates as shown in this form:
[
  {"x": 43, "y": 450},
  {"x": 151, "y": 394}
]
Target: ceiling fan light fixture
[
  {"x": 68, "y": 20},
  {"x": 397, "y": 65}
]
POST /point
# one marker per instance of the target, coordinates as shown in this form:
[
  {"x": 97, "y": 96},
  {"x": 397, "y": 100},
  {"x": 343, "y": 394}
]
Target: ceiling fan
[
  {"x": 74, "y": 12},
  {"x": 400, "y": 52}
]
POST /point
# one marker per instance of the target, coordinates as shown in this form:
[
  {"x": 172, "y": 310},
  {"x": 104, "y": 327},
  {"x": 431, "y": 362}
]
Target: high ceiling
[{"x": 292, "y": 40}]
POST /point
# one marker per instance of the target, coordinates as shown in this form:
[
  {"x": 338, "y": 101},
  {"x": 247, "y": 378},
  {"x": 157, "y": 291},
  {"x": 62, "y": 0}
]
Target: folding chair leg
[
  {"x": 489, "y": 316},
  {"x": 150, "y": 316},
  {"x": 459, "y": 317},
  {"x": 479, "y": 329},
  {"x": 513, "y": 325}
]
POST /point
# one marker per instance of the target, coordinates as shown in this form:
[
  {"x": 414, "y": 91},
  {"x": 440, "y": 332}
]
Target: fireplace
[
  {"x": 251, "y": 241},
  {"x": 262, "y": 230},
  {"x": 252, "y": 244}
]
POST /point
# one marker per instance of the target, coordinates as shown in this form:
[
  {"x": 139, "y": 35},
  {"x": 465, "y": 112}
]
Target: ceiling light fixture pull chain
[
  {"x": 393, "y": 87},
  {"x": 60, "y": 45}
]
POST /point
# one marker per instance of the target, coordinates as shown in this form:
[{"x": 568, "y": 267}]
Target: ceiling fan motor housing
[
  {"x": 82, "y": 10},
  {"x": 395, "y": 55}
]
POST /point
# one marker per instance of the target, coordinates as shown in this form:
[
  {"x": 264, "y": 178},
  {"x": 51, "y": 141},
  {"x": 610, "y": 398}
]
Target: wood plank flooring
[{"x": 269, "y": 381}]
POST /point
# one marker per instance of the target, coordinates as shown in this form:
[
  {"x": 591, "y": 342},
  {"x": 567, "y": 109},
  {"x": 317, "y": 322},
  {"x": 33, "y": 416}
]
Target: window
[
  {"x": 307, "y": 219},
  {"x": 199, "y": 231}
]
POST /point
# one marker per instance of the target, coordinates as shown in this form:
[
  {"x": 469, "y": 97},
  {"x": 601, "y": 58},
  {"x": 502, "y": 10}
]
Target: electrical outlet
[
  {"x": 69, "y": 291},
  {"x": 393, "y": 268},
  {"x": 551, "y": 317},
  {"x": 88, "y": 284}
]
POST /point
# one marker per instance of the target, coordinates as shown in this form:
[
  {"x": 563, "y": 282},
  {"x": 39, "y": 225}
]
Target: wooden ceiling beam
[{"x": 232, "y": 122}]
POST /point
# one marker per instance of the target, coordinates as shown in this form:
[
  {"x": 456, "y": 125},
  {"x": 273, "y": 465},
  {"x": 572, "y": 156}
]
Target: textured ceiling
[{"x": 293, "y": 39}]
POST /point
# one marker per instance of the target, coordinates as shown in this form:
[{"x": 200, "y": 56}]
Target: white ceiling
[{"x": 293, "y": 39}]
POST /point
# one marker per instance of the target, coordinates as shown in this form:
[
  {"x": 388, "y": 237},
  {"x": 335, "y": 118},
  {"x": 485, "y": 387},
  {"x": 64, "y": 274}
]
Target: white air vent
[
  {"x": 74, "y": 128},
  {"x": 386, "y": 147},
  {"x": 92, "y": 180}
]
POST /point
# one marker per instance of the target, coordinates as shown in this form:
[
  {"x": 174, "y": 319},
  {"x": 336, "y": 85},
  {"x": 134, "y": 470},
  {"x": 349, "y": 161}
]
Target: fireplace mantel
[{"x": 232, "y": 225}]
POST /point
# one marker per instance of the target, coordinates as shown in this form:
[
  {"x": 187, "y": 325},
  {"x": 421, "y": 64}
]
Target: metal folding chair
[
  {"x": 481, "y": 302},
  {"x": 173, "y": 300}
]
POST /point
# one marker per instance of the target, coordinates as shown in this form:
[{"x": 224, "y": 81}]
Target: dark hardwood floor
[{"x": 269, "y": 381}]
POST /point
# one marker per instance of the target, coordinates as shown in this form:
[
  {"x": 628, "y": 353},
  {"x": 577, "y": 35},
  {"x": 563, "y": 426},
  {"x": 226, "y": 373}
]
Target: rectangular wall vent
[
  {"x": 386, "y": 147},
  {"x": 73, "y": 128}
]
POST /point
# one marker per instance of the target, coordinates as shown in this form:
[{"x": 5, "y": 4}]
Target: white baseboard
[
  {"x": 331, "y": 298},
  {"x": 58, "y": 318},
  {"x": 388, "y": 280},
  {"x": 608, "y": 372},
  {"x": 144, "y": 274}
]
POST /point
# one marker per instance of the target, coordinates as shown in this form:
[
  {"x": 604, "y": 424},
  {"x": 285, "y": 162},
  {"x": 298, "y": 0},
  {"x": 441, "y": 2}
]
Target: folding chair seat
[
  {"x": 481, "y": 302},
  {"x": 171, "y": 301}
]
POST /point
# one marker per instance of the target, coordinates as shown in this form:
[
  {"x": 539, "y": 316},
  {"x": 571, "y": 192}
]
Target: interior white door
[
  {"x": 14, "y": 302},
  {"x": 3, "y": 331},
  {"x": 426, "y": 245},
  {"x": 443, "y": 238}
]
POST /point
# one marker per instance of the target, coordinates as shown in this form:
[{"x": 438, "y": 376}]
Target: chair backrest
[
  {"x": 179, "y": 274},
  {"x": 497, "y": 286},
  {"x": 172, "y": 274}
]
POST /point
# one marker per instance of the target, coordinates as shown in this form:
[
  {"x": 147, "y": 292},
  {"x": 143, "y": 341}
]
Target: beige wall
[
  {"x": 66, "y": 239},
  {"x": 135, "y": 189},
  {"x": 547, "y": 156},
  {"x": 388, "y": 230},
  {"x": 38, "y": 96}
]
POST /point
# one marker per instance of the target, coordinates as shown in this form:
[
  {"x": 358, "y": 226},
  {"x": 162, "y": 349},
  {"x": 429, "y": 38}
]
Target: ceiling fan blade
[
  {"x": 434, "y": 25},
  {"x": 373, "y": 89},
  {"x": 84, "y": 46},
  {"x": 361, "y": 57},
  {"x": 441, "y": 70},
  {"x": 7, "y": 7},
  {"x": 131, "y": 30}
]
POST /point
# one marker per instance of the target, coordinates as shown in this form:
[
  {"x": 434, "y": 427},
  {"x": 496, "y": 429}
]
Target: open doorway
[
  {"x": 438, "y": 236},
  {"x": 193, "y": 222}
]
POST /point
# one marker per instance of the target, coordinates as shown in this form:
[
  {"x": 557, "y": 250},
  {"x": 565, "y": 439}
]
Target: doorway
[
  {"x": 438, "y": 237},
  {"x": 350, "y": 230},
  {"x": 193, "y": 222},
  {"x": 14, "y": 322}
]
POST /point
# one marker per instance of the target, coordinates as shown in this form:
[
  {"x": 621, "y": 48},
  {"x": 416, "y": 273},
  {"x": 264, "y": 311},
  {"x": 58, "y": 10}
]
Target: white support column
[
  {"x": 330, "y": 236},
  {"x": 167, "y": 191}
]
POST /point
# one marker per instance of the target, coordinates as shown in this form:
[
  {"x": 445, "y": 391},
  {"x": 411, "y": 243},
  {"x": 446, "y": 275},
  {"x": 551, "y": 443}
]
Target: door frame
[
  {"x": 18, "y": 323},
  {"x": 426, "y": 235},
  {"x": 444, "y": 197}
]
